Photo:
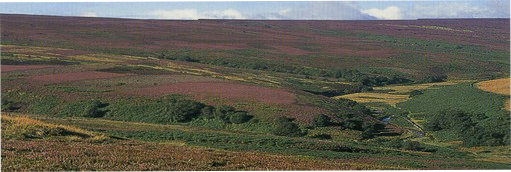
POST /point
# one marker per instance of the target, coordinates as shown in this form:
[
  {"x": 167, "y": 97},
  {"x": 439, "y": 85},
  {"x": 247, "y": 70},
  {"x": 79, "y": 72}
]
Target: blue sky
[{"x": 315, "y": 10}]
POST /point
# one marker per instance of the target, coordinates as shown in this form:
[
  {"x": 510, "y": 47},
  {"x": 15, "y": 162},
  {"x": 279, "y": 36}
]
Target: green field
[{"x": 464, "y": 97}]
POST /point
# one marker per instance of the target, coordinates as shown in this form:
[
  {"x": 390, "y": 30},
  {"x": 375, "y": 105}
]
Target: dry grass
[
  {"x": 499, "y": 86},
  {"x": 507, "y": 105},
  {"x": 403, "y": 89},
  {"x": 395, "y": 94},
  {"x": 17, "y": 126},
  {"x": 429, "y": 27},
  {"x": 391, "y": 99},
  {"x": 500, "y": 154},
  {"x": 94, "y": 58},
  {"x": 131, "y": 155}
]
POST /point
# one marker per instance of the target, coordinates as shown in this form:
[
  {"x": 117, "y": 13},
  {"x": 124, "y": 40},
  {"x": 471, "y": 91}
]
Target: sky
[{"x": 278, "y": 10}]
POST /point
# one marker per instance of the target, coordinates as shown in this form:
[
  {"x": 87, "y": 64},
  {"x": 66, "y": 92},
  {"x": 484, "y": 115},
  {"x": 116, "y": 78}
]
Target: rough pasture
[
  {"x": 221, "y": 89},
  {"x": 75, "y": 76},
  {"x": 8, "y": 68},
  {"x": 53, "y": 155},
  {"x": 499, "y": 86}
]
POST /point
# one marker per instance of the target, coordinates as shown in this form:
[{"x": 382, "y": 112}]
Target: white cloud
[
  {"x": 194, "y": 14},
  {"x": 448, "y": 10},
  {"x": 176, "y": 14},
  {"x": 225, "y": 14},
  {"x": 89, "y": 14},
  {"x": 500, "y": 9},
  {"x": 329, "y": 10},
  {"x": 284, "y": 11},
  {"x": 389, "y": 13}
]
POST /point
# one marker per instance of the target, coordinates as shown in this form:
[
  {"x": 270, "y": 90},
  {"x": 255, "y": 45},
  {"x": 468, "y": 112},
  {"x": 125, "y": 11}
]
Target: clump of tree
[
  {"x": 415, "y": 93},
  {"x": 321, "y": 121},
  {"x": 434, "y": 78},
  {"x": 474, "y": 129},
  {"x": 362, "y": 108},
  {"x": 225, "y": 113},
  {"x": 286, "y": 127},
  {"x": 406, "y": 145},
  {"x": 167, "y": 110},
  {"x": 354, "y": 122},
  {"x": 346, "y": 102},
  {"x": 8, "y": 105}
]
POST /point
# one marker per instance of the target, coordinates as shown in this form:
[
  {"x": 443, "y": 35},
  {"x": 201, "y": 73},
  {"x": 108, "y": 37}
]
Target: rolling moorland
[{"x": 123, "y": 94}]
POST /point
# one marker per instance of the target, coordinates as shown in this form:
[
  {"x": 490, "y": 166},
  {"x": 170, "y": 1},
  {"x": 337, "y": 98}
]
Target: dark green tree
[
  {"x": 321, "y": 121},
  {"x": 286, "y": 127}
]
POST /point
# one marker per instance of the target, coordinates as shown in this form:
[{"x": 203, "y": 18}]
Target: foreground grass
[
  {"x": 19, "y": 127},
  {"x": 133, "y": 155}
]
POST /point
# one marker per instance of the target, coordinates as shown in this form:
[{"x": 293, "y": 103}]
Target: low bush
[
  {"x": 362, "y": 108},
  {"x": 321, "y": 121},
  {"x": 394, "y": 143},
  {"x": 412, "y": 145},
  {"x": 8, "y": 105},
  {"x": 473, "y": 129},
  {"x": 415, "y": 93},
  {"x": 286, "y": 127},
  {"x": 89, "y": 108},
  {"x": 321, "y": 136},
  {"x": 239, "y": 117}
]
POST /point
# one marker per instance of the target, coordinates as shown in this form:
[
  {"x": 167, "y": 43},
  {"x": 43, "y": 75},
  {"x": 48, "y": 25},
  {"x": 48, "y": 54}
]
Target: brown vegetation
[{"x": 221, "y": 89}]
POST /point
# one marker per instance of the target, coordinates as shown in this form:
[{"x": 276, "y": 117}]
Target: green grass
[
  {"x": 462, "y": 97},
  {"x": 243, "y": 141},
  {"x": 44, "y": 105}
]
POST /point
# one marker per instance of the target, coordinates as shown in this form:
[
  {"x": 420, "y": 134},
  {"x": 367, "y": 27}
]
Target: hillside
[{"x": 332, "y": 95}]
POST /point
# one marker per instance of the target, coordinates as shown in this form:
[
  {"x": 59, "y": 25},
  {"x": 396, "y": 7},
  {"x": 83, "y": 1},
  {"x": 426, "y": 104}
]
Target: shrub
[
  {"x": 92, "y": 109},
  {"x": 415, "y": 93},
  {"x": 346, "y": 102},
  {"x": 285, "y": 127},
  {"x": 394, "y": 143},
  {"x": 412, "y": 145},
  {"x": 322, "y": 136},
  {"x": 435, "y": 78},
  {"x": 182, "y": 110},
  {"x": 473, "y": 129},
  {"x": 222, "y": 112},
  {"x": 208, "y": 112},
  {"x": 352, "y": 124},
  {"x": 239, "y": 117},
  {"x": 82, "y": 109},
  {"x": 321, "y": 121},
  {"x": 362, "y": 108},
  {"x": 372, "y": 127},
  {"x": 366, "y": 89},
  {"x": 8, "y": 105},
  {"x": 450, "y": 119},
  {"x": 367, "y": 134}
]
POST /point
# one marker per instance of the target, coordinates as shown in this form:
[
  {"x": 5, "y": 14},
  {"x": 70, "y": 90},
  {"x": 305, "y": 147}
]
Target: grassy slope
[
  {"x": 237, "y": 137},
  {"x": 180, "y": 152},
  {"x": 462, "y": 96}
]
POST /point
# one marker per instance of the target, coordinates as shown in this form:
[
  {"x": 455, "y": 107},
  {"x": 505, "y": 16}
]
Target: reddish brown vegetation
[
  {"x": 130, "y": 155},
  {"x": 7, "y": 68},
  {"x": 221, "y": 89},
  {"x": 76, "y": 76}
]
